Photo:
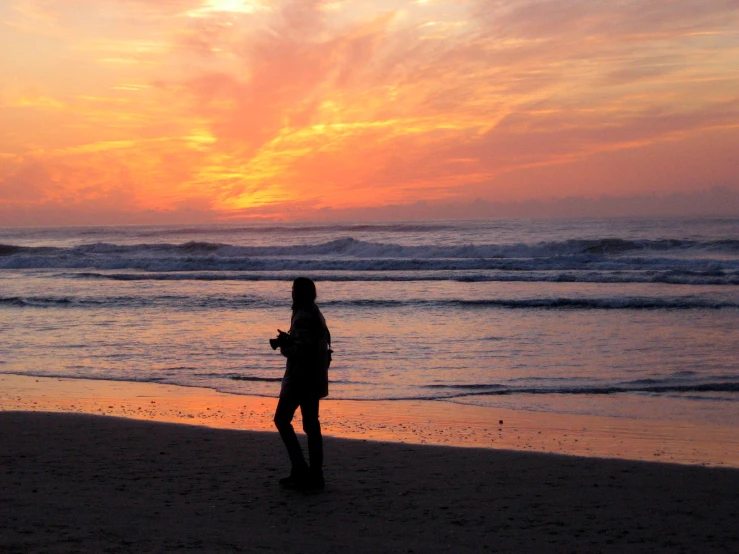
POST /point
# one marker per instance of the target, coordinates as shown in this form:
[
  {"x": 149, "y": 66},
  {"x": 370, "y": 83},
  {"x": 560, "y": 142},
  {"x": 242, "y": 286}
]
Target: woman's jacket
[{"x": 307, "y": 353}]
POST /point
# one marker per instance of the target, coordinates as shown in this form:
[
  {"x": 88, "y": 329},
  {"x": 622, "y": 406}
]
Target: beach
[
  {"x": 173, "y": 469},
  {"x": 82, "y": 483}
]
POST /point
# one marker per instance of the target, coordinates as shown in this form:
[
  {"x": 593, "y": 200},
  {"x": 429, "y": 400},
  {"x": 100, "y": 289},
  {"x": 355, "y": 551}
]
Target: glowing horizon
[{"x": 272, "y": 109}]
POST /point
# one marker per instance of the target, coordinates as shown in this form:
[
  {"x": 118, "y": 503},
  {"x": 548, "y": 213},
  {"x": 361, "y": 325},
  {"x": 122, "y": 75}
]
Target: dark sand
[{"x": 81, "y": 483}]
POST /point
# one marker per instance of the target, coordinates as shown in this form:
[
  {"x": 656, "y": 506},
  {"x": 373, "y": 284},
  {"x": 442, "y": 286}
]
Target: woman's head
[{"x": 304, "y": 292}]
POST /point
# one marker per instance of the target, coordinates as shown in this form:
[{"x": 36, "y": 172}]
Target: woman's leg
[
  {"x": 312, "y": 428},
  {"x": 286, "y": 407}
]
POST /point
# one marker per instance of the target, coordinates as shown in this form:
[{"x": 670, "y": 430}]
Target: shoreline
[{"x": 401, "y": 421}]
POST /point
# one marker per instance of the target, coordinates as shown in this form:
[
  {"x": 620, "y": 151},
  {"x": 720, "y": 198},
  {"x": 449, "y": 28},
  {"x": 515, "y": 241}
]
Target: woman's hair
[{"x": 304, "y": 292}]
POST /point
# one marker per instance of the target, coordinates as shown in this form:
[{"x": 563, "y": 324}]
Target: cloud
[
  {"x": 28, "y": 181},
  {"x": 276, "y": 107},
  {"x": 714, "y": 202},
  {"x": 616, "y": 19},
  {"x": 37, "y": 192},
  {"x": 290, "y": 72}
]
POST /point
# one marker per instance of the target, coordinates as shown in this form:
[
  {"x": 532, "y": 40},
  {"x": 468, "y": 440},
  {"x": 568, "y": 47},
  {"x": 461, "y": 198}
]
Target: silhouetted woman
[{"x": 307, "y": 349}]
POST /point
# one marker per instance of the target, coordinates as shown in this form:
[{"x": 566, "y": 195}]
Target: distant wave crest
[
  {"x": 242, "y": 301},
  {"x": 667, "y": 276}
]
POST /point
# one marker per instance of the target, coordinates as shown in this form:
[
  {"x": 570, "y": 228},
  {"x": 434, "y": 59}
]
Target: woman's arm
[{"x": 305, "y": 333}]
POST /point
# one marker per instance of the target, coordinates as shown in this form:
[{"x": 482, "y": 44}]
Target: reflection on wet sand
[{"x": 415, "y": 422}]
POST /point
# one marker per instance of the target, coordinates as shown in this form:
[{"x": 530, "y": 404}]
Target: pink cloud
[
  {"x": 303, "y": 103},
  {"x": 27, "y": 181},
  {"x": 544, "y": 19},
  {"x": 289, "y": 71}
]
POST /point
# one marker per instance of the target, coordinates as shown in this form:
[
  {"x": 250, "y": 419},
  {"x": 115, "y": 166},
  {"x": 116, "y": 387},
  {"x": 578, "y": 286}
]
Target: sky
[{"x": 162, "y": 111}]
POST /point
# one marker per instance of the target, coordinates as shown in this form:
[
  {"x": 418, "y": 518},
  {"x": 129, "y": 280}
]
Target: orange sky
[{"x": 164, "y": 110}]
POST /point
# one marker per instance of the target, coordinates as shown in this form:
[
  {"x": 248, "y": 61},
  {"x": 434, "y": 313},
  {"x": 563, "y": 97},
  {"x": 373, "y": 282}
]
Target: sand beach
[
  {"x": 172, "y": 469},
  {"x": 81, "y": 483}
]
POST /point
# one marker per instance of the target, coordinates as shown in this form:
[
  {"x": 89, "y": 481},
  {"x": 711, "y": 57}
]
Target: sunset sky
[{"x": 131, "y": 111}]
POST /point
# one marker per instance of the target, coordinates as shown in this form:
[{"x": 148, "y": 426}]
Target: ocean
[{"x": 634, "y": 318}]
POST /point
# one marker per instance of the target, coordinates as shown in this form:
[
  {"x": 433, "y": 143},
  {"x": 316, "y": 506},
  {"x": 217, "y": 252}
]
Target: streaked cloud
[{"x": 268, "y": 106}]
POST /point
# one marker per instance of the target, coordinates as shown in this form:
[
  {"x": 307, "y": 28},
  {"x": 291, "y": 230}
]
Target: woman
[{"x": 307, "y": 349}]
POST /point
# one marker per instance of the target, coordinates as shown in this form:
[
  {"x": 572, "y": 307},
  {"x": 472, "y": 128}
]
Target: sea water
[{"x": 633, "y": 318}]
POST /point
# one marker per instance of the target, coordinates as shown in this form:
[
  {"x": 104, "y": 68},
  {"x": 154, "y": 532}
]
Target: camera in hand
[{"x": 280, "y": 340}]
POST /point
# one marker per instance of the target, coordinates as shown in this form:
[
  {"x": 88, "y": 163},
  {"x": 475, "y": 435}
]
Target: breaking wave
[
  {"x": 605, "y": 260},
  {"x": 349, "y": 246}
]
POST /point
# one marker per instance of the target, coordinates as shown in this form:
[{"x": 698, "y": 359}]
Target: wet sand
[
  {"x": 81, "y": 483},
  {"x": 414, "y": 422}
]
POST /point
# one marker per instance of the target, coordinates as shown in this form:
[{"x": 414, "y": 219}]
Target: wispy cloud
[{"x": 269, "y": 104}]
